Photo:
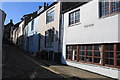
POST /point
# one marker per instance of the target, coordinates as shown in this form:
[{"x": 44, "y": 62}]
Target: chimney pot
[{"x": 39, "y": 7}]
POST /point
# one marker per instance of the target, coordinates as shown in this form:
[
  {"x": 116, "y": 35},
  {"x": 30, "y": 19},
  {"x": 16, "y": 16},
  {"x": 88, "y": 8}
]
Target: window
[
  {"x": 71, "y": 53},
  {"x": 49, "y": 38},
  {"x": 115, "y": 6},
  {"x": 50, "y": 15},
  {"x": 74, "y": 53},
  {"x": 82, "y": 53},
  {"x": 74, "y": 17},
  {"x": 101, "y": 54},
  {"x": 32, "y": 25},
  {"x": 109, "y": 54},
  {"x": 97, "y": 54},
  {"x": 77, "y": 16},
  {"x": 89, "y": 53},
  {"x": 118, "y": 54},
  {"x": 108, "y": 7}
]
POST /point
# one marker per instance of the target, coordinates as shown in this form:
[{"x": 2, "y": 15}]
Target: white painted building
[
  {"x": 49, "y": 30},
  {"x": 32, "y": 35},
  {"x": 91, "y": 37}
]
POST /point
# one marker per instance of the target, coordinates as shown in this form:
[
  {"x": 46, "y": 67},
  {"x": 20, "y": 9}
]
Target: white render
[
  {"x": 15, "y": 35},
  {"x": 53, "y": 24},
  {"x": 91, "y": 30},
  {"x": 105, "y": 30},
  {"x": 20, "y": 32},
  {"x": 20, "y": 29},
  {"x": 35, "y": 30}
]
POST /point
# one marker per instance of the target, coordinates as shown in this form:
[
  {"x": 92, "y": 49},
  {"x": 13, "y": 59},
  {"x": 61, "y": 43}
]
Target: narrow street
[{"x": 18, "y": 65}]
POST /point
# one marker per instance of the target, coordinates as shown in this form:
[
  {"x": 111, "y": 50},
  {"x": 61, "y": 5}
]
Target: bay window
[{"x": 99, "y": 54}]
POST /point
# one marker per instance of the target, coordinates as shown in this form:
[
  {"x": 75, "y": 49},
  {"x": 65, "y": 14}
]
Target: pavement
[
  {"x": 18, "y": 64},
  {"x": 69, "y": 71}
]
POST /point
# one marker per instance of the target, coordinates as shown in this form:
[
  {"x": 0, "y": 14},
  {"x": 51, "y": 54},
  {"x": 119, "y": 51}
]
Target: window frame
[
  {"x": 102, "y": 57},
  {"x": 49, "y": 12},
  {"x": 74, "y": 17},
  {"x": 49, "y": 38},
  {"x": 110, "y": 9},
  {"x": 32, "y": 25},
  {"x": 109, "y": 51}
]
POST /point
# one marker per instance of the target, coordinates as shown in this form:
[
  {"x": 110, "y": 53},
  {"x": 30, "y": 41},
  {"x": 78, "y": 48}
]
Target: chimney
[
  {"x": 39, "y": 7},
  {"x": 45, "y": 5},
  {"x": 11, "y": 20}
]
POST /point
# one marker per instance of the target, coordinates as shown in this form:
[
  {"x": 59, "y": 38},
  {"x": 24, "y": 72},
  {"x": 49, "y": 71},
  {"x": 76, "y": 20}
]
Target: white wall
[
  {"x": 103, "y": 30},
  {"x": 20, "y": 28},
  {"x": 35, "y": 30},
  {"x": 118, "y": 27},
  {"x": 53, "y": 24}
]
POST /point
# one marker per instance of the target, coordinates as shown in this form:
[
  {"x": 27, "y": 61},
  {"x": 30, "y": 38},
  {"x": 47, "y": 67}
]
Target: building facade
[
  {"x": 15, "y": 33},
  {"x": 91, "y": 39},
  {"x": 32, "y": 37},
  {"x": 49, "y": 24}
]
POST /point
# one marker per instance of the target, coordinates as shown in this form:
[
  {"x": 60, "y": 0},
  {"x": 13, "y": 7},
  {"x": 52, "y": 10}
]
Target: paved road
[{"x": 18, "y": 65}]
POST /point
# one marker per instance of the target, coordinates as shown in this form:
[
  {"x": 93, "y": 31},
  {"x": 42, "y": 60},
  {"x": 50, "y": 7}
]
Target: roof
[
  {"x": 17, "y": 25},
  {"x": 44, "y": 10},
  {"x": 78, "y": 4},
  {"x": 2, "y": 11}
]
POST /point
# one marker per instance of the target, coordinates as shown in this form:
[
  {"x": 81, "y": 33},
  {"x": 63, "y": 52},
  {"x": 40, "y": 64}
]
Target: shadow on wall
[{"x": 40, "y": 45}]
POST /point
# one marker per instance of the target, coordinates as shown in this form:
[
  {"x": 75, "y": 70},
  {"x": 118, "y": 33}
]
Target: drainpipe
[
  {"x": 59, "y": 29},
  {"x": 60, "y": 22}
]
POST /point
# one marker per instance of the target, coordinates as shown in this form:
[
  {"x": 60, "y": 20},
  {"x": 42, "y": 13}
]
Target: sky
[{"x": 16, "y": 10}]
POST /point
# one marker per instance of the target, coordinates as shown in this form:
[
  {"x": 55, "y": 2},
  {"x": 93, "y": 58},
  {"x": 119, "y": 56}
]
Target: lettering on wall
[{"x": 89, "y": 25}]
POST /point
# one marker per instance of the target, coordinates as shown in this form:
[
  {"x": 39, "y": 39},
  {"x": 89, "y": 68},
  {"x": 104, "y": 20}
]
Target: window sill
[
  {"x": 108, "y": 15},
  {"x": 74, "y": 24},
  {"x": 49, "y": 21}
]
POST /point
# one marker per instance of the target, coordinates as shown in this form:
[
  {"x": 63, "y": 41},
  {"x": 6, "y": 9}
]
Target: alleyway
[{"x": 19, "y": 65}]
